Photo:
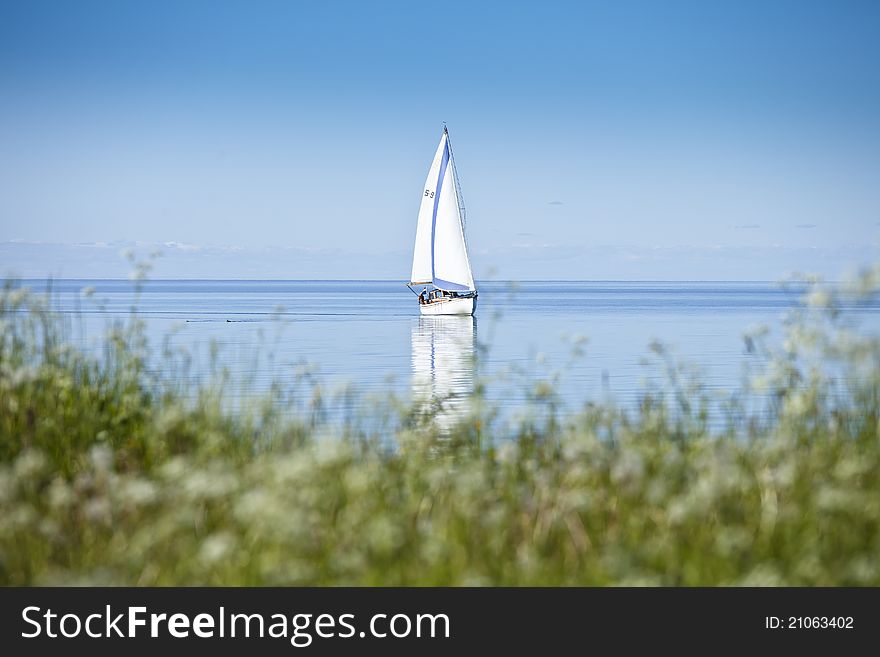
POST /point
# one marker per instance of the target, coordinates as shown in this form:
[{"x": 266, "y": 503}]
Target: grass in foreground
[{"x": 108, "y": 475}]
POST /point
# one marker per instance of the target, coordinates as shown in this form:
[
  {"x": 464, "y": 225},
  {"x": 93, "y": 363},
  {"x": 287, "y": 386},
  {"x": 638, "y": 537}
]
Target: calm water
[{"x": 369, "y": 334}]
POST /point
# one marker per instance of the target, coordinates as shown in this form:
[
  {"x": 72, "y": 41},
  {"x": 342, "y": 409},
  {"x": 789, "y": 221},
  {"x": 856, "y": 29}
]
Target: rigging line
[{"x": 461, "y": 207}]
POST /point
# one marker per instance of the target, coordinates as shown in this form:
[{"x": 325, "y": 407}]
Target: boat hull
[{"x": 467, "y": 306}]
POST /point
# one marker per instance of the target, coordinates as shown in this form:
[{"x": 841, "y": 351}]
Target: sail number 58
[{"x": 429, "y": 193}]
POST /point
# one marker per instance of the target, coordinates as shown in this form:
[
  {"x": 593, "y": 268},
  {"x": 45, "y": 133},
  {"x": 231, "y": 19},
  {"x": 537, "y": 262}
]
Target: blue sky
[{"x": 624, "y": 140}]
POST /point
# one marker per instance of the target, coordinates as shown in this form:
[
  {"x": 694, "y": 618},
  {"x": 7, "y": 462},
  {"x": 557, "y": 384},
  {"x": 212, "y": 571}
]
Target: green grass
[{"x": 111, "y": 475}]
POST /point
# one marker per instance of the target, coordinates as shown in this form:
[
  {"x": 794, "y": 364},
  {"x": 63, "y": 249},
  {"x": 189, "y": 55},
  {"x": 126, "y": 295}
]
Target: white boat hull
[{"x": 449, "y": 307}]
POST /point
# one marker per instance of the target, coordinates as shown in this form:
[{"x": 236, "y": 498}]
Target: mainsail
[{"x": 440, "y": 255}]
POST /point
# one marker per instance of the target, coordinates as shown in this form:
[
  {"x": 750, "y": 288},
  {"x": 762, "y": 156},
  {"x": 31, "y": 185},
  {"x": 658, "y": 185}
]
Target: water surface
[{"x": 368, "y": 334}]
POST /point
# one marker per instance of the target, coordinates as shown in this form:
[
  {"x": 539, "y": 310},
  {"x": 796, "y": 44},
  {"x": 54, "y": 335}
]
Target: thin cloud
[
  {"x": 525, "y": 234},
  {"x": 805, "y": 225},
  {"x": 182, "y": 246},
  {"x": 747, "y": 226},
  {"x": 556, "y": 203}
]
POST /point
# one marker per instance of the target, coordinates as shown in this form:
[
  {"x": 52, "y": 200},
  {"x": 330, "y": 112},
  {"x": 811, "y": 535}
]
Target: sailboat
[{"x": 440, "y": 258}]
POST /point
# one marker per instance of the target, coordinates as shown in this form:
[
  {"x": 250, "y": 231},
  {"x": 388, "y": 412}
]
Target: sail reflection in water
[{"x": 443, "y": 366}]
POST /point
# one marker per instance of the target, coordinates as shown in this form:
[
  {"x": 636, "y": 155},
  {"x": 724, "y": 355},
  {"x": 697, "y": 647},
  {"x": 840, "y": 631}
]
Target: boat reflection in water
[{"x": 443, "y": 367}]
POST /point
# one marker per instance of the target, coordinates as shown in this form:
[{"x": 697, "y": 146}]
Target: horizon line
[{"x": 402, "y": 283}]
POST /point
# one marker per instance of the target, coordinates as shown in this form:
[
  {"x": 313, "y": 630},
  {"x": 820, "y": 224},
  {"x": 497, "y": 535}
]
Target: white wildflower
[
  {"x": 29, "y": 464},
  {"x": 216, "y": 547}
]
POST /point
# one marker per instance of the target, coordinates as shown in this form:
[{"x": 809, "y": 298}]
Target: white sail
[
  {"x": 452, "y": 271},
  {"x": 440, "y": 254},
  {"x": 423, "y": 256}
]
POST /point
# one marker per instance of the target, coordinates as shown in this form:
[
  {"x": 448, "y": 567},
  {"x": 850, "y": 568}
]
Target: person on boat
[{"x": 423, "y": 296}]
